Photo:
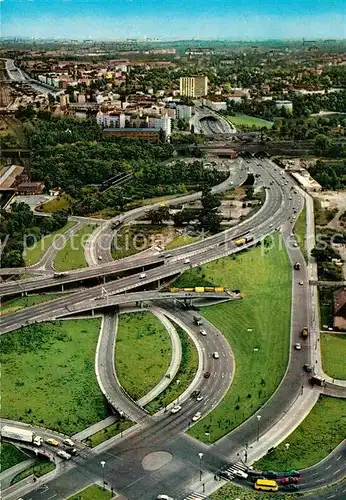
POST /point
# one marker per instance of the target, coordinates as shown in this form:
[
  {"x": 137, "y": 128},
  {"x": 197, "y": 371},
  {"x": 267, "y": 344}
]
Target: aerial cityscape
[{"x": 173, "y": 250}]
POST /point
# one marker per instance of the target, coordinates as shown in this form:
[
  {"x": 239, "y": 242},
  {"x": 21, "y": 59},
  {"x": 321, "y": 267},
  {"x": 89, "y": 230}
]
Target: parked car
[
  {"x": 270, "y": 474},
  {"x": 292, "y": 473},
  {"x": 290, "y": 487},
  {"x": 289, "y": 480}
]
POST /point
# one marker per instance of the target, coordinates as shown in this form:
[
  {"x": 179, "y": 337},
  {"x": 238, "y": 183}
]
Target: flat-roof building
[{"x": 194, "y": 86}]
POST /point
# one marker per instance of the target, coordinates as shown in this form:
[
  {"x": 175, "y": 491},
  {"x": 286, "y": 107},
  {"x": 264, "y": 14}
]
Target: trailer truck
[{"x": 23, "y": 435}]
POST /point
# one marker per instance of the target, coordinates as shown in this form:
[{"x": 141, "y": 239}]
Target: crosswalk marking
[
  {"x": 195, "y": 496},
  {"x": 238, "y": 466}
]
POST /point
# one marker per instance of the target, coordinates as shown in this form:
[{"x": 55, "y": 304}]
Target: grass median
[
  {"x": 257, "y": 328},
  {"x": 48, "y": 376},
  {"x": 72, "y": 255},
  {"x": 334, "y": 355},
  {"x": 40, "y": 468},
  {"x": 300, "y": 232},
  {"x": 10, "y": 456},
  {"x": 35, "y": 253},
  {"x": 14, "y": 305},
  {"x": 93, "y": 492},
  {"x": 142, "y": 353},
  {"x": 317, "y": 436},
  {"x": 184, "y": 377}
]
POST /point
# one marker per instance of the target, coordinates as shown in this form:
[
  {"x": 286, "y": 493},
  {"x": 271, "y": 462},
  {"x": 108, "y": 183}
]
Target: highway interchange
[{"x": 164, "y": 432}]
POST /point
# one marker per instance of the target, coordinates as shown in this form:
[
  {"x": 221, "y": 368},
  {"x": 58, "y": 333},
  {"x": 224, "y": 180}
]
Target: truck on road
[{"x": 23, "y": 435}]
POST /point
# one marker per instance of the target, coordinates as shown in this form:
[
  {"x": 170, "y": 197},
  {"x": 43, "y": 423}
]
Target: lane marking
[
  {"x": 329, "y": 466},
  {"x": 338, "y": 458},
  {"x": 336, "y": 472}
]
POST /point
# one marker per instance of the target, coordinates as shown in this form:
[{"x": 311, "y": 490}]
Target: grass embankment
[
  {"x": 321, "y": 431},
  {"x": 130, "y": 240},
  {"x": 93, "y": 492},
  {"x": 231, "y": 491},
  {"x": 35, "y": 253},
  {"x": 48, "y": 375},
  {"x": 72, "y": 255},
  {"x": 142, "y": 353},
  {"x": 184, "y": 376},
  {"x": 181, "y": 240},
  {"x": 10, "y": 456},
  {"x": 38, "y": 469},
  {"x": 300, "y": 232},
  {"x": 107, "y": 433},
  {"x": 248, "y": 121},
  {"x": 253, "y": 326},
  {"x": 334, "y": 355},
  {"x": 14, "y": 305},
  {"x": 61, "y": 202}
]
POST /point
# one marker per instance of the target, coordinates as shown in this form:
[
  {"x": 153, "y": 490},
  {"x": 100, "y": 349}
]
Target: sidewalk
[{"x": 89, "y": 431}]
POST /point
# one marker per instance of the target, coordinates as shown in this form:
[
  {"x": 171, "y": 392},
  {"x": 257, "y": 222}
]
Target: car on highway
[
  {"x": 68, "y": 442},
  {"x": 295, "y": 244},
  {"x": 52, "y": 442},
  {"x": 164, "y": 497},
  {"x": 175, "y": 409},
  {"x": 195, "y": 393},
  {"x": 196, "y": 416},
  {"x": 270, "y": 225},
  {"x": 63, "y": 454},
  {"x": 100, "y": 257},
  {"x": 142, "y": 276},
  {"x": 270, "y": 474},
  {"x": 216, "y": 355},
  {"x": 206, "y": 374},
  {"x": 240, "y": 474},
  {"x": 226, "y": 475},
  {"x": 199, "y": 398},
  {"x": 307, "y": 368},
  {"x": 290, "y": 480},
  {"x": 187, "y": 261},
  {"x": 301, "y": 282},
  {"x": 290, "y": 487},
  {"x": 292, "y": 473},
  {"x": 298, "y": 346},
  {"x": 203, "y": 332}
]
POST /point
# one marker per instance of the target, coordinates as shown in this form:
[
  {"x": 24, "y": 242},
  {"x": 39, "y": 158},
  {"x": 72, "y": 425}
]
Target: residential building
[
  {"x": 30, "y": 188},
  {"x": 284, "y": 104},
  {"x": 184, "y": 112},
  {"x": 149, "y": 134},
  {"x": 194, "y": 86},
  {"x": 64, "y": 100}
]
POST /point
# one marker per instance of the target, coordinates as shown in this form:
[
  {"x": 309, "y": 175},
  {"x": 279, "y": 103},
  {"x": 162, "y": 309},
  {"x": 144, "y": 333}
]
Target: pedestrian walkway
[
  {"x": 196, "y": 496},
  {"x": 89, "y": 431}
]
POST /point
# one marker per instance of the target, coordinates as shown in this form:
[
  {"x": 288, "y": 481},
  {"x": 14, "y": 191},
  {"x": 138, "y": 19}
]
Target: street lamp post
[
  {"x": 208, "y": 435},
  {"x": 258, "y": 426},
  {"x": 103, "y": 463},
  {"x": 200, "y": 455},
  {"x": 287, "y": 445}
]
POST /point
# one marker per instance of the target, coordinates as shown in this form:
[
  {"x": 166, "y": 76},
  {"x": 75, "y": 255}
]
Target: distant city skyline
[{"x": 204, "y": 19}]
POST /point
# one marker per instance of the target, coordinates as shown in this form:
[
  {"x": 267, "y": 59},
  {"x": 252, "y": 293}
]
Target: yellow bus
[{"x": 266, "y": 485}]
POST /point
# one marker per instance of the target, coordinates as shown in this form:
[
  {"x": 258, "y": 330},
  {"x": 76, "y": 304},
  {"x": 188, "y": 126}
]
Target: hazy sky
[{"x": 252, "y": 19}]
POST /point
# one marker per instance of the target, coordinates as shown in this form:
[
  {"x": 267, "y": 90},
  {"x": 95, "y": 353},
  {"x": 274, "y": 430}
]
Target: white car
[
  {"x": 187, "y": 261},
  {"x": 216, "y": 355},
  {"x": 295, "y": 245},
  {"x": 68, "y": 442},
  {"x": 63, "y": 454},
  {"x": 239, "y": 473},
  {"x": 197, "y": 416},
  {"x": 142, "y": 276},
  {"x": 175, "y": 409},
  {"x": 298, "y": 346},
  {"x": 203, "y": 332},
  {"x": 163, "y": 497},
  {"x": 100, "y": 257},
  {"x": 199, "y": 398},
  {"x": 301, "y": 282}
]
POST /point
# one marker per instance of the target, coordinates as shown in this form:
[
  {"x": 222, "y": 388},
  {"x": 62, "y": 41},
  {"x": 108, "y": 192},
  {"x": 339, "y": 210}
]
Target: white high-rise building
[
  {"x": 184, "y": 112},
  {"x": 166, "y": 125}
]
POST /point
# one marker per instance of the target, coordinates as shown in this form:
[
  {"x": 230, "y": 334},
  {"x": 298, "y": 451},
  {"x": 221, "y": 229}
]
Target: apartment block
[{"x": 194, "y": 86}]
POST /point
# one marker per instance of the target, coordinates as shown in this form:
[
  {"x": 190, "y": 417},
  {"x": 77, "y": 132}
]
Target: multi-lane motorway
[{"x": 127, "y": 470}]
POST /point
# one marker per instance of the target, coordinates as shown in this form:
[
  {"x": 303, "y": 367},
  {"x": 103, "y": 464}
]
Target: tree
[
  {"x": 157, "y": 216},
  {"x": 12, "y": 258},
  {"x": 249, "y": 192}
]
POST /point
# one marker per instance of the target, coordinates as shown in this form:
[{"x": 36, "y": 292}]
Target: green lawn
[
  {"x": 184, "y": 376},
  {"x": 72, "y": 255},
  {"x": 93, "y": 492},
  {"x": 321, "y": 431},
  {"x": 10, "y": 456},
  {"x": 13, "y": 305},
  {"x": 35, "y": 253},
  {"x": 61, "y": 202},
  {"x": 107, "y": 433},
  {"x": 260, "y": 321},
  {"x": 300, "y": 232},
  {"x": 249, "y": 121},
  {"x": 182, "y": 240},
  {"x": 48, "y": 375},
  {"x": 334, "y": 355},
  {"x": 39, "y": 469},
  {"x": 142, "y": 353}
]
